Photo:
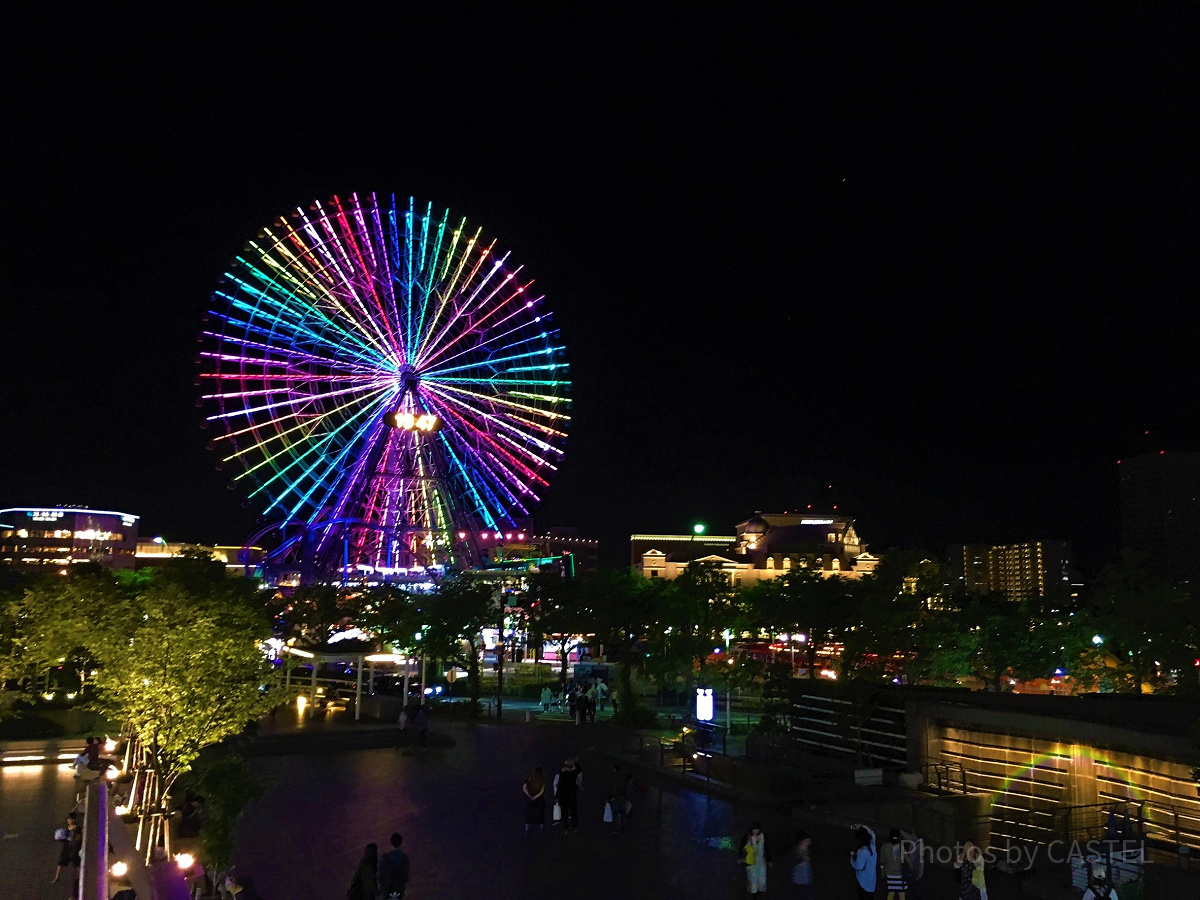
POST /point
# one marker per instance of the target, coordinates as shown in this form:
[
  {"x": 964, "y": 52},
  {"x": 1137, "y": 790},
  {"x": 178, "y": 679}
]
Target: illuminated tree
[{"x": 456, "y": 614}]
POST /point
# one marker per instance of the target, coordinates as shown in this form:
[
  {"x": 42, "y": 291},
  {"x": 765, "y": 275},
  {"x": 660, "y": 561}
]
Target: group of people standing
[
  {"x": 900, "y": 861},
  {"x": 380, "y": 877},
  {"x": 582, "y": 699},
  {"x": 564, "y": 790}
]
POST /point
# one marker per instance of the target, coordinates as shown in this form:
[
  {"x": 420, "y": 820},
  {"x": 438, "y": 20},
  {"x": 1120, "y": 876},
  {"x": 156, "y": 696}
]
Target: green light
[{"x": 698, "y": 528}]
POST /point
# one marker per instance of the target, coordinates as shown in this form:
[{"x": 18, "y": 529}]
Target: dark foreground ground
[{"x": 461, "y": 813}]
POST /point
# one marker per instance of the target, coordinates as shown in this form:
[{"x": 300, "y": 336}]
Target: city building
[
  {"x": 763, "y": 547},
  {"x": 510, "y": 546},
  {"x": 1031, "y": 569},
  {"x": 238, "y": 560},
  {"x": 35, "y": 537},
  {"x": 1160, "y": 511}
]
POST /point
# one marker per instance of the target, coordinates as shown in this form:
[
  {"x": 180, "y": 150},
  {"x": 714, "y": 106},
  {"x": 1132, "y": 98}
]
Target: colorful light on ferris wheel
[{"x": 372, "y": 362}]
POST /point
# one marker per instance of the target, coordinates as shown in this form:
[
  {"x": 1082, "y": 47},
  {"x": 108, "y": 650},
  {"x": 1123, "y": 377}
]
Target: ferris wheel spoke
[
  {"x": 468, "y": 301},
  {"x": 316, "y": 445},
  {"x": 299, "y": 329},
  {"x": 323, "y": 262},
  {"x": 468, "y": 416},
  {"x": 368, "y": 273},
  {"x": 494, "y": 466},
  {"x": 348, "y": 278},
  {"x": 297, "y": 401},
  {"x": 308, "y": 425},
  {"x": 501, "y": 336},
  {"x": 430, "y": 268},
  {"x": 296, "y": 482},
  {"x": 470, "y": 408},
  {"x": 329, "y": 478},
  {"x": 313, "y": 277},
  {"x": 495, "y": 399},
  {"x": 490, "y": 362}
]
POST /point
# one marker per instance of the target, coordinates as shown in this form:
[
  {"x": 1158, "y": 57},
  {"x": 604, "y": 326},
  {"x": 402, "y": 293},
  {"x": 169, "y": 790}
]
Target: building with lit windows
[
  {"x": 763, "y": 547},
  {"x": 505, "y": 546},
  {"x": 32, "y": 538},
  {"x": 237, "y": 560},
  {"x": 1160, "y": 511},
  {"x": 1031, "y": 569}
]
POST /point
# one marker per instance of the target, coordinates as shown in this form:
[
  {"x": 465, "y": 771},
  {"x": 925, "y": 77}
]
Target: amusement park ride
[{"x": 390, "y": 386}]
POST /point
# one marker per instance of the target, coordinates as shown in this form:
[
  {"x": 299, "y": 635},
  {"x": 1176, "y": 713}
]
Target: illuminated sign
[
  {"x": 816, "y": 521},
  {"x": 45, "y": 515},
  {"x": 407, "y": 421},
  {"x": 704, "y": 704}
]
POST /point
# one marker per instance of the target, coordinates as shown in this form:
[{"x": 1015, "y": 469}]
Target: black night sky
[{"x": 944, "y": 261}]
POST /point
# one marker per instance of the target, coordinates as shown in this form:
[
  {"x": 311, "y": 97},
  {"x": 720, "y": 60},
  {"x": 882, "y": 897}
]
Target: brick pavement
[{"x": 34, "y": 800}]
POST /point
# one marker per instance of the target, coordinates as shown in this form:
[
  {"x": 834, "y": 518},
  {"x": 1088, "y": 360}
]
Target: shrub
[{"x": 26, "y": 728}]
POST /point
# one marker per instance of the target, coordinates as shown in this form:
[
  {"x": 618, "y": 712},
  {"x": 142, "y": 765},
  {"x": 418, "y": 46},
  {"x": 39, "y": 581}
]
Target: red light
[
  {"x": 1161, "y": 452},
  {"x": 462, "y": 535},
  {"x": 835, "y": 506},
  {"x": 508, "y": 537},
  {"x": 810, "y": 506},
  {"x": 520, "y": 535},
  {"x": 483, "y": 536}
]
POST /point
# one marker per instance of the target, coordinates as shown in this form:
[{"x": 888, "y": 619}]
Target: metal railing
[{"x": 944, "y": 777}]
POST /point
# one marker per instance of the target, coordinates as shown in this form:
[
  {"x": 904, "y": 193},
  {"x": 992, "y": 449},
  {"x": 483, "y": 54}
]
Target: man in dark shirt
[{"x": 393, "y": 871}]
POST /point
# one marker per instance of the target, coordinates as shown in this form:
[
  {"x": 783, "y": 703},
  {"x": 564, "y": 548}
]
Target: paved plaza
[
  {"x": 461, "y": 812},
  {"x": 34, "y": 800}
]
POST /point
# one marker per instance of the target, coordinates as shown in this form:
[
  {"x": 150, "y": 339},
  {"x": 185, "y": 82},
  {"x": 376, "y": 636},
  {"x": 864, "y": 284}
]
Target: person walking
[
  {"x": 571, "y": 698},
  {"x": 365, "y": 883},
  {"x": 393, "y": 871},
  {"x": 590, "y": 698},
  {"x": 568, "y": 796},
  {"x": 71, "y": 838},
  {"x": 534, "y": 790},
  {"x": 422, "y": 725},
  {"x": 802, "y": 871},
  {"x": 547, "y": 698},
  {"x": 754, "y": 858},
  {"x": 863, "y": 860},
  {"x": 618, "y": 796},
  {"x": 601, "y": 694},
  {"x": 892, "y": 861}
]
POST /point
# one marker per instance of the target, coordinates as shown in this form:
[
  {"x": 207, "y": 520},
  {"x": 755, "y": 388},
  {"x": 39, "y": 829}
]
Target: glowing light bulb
[
  {"x": 119, "y": 869},
  {"x": 185, "y": 860}
]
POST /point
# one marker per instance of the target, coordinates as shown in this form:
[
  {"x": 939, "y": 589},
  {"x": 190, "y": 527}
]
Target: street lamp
[
  {"x": 1097, "y": 640},
  {"x": 698, "y": 529}
]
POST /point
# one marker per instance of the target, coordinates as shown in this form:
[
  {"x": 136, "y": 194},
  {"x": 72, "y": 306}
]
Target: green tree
[
  {"x": 1148, "y": 629},
  {"x": 555, "y": 606},
  {"x": 620, "y": 606},
  {"x": 456, "y": 613},
  {"x": 180, "y": 664}
]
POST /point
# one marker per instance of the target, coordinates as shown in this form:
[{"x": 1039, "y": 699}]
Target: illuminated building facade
[
  {"x": 1031, "y": 569},
  {"x": 35, "y": 537},
  {"x": 763, "y": 547},
  {"x": 501, "y": 546},
  {"x": 1160, "y": 511},
  {"x": 238, "y": 560}
]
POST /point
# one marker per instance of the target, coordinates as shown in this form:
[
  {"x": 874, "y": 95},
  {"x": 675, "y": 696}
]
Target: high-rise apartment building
[
  {"x": 1160, "y": 511},
  {"x": 1031, "y": 569}
]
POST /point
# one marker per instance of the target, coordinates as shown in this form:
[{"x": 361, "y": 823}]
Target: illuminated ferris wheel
[{"x": 388, "y": 382}]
